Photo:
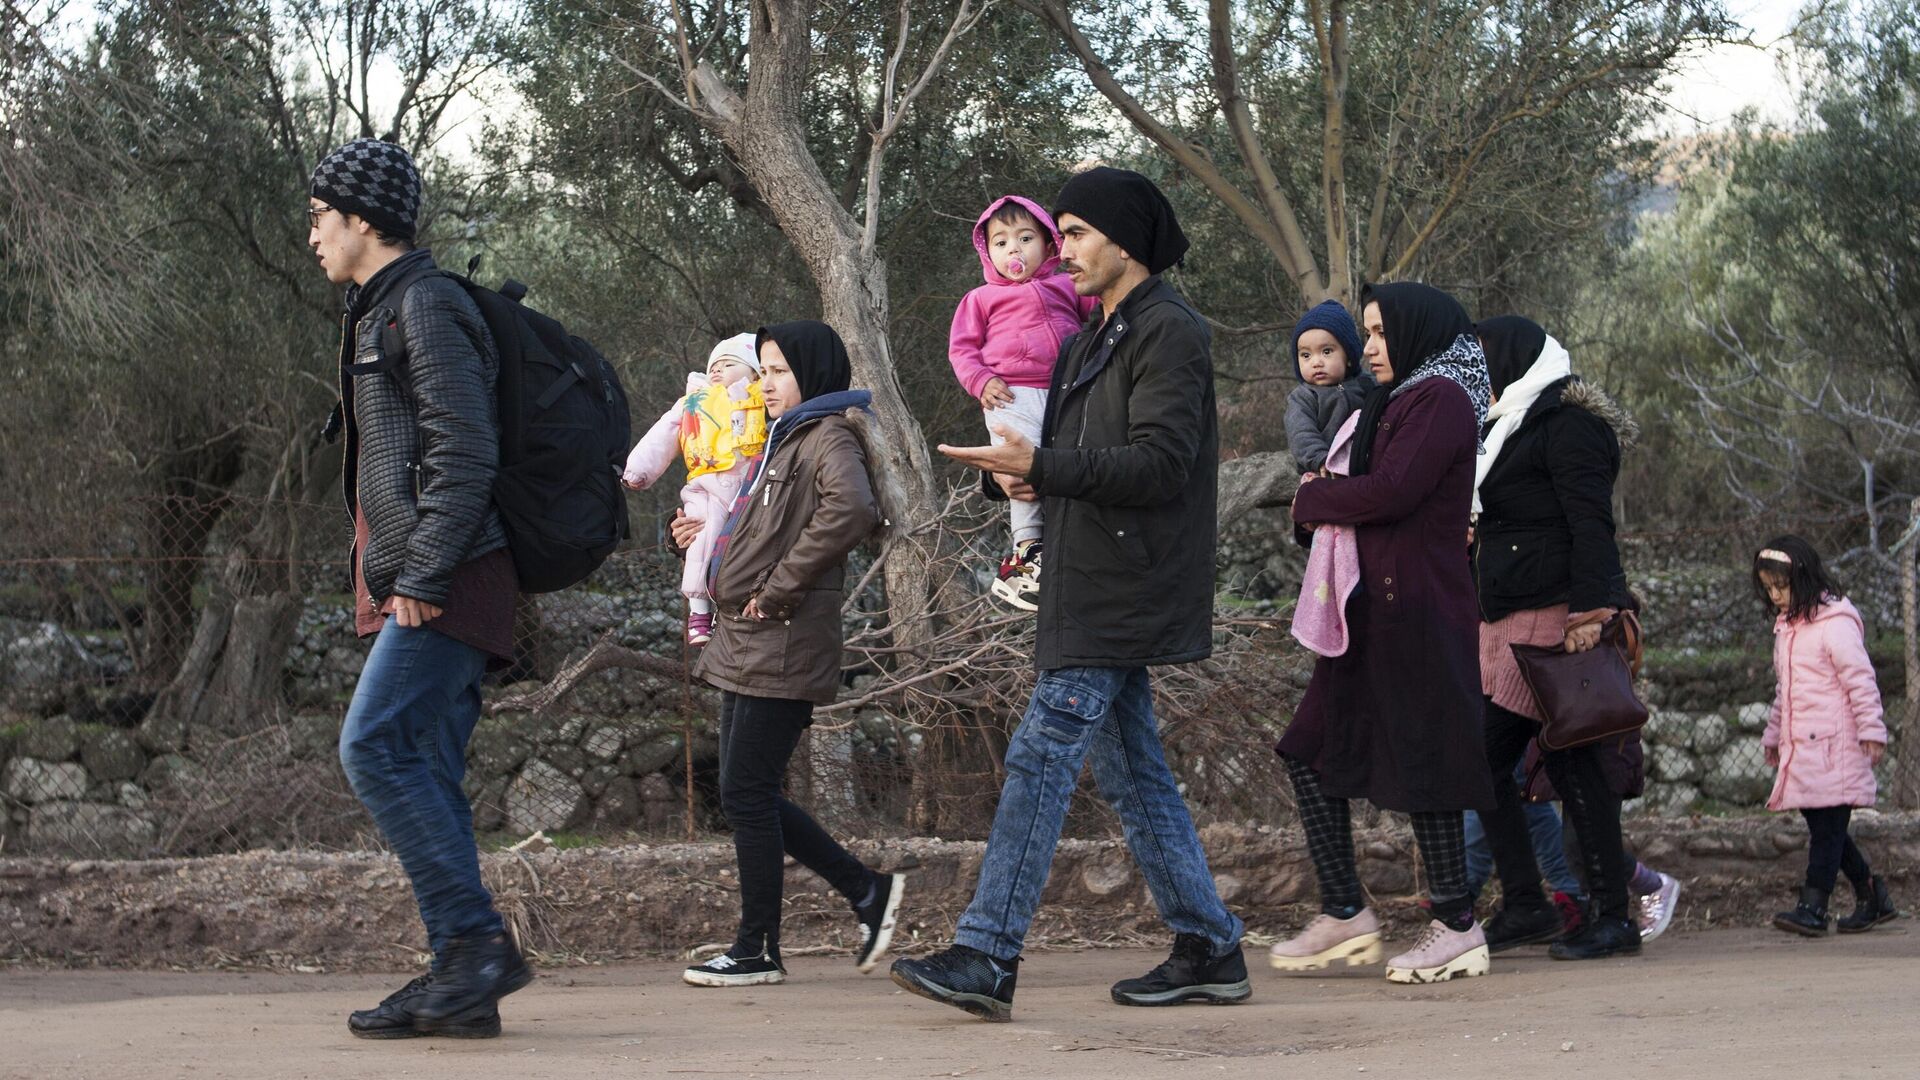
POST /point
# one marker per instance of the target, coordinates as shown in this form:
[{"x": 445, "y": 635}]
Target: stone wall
[{"x": 282, "y": 909}]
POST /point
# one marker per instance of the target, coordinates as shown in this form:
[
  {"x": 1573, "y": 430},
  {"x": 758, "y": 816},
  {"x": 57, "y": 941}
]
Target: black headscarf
[
  {"x": 815, "y": 353},
  {"x": 1512, "y": 343},
  {"x": 1420, "y": 323},
  {"x": 1129, "y": 210}
]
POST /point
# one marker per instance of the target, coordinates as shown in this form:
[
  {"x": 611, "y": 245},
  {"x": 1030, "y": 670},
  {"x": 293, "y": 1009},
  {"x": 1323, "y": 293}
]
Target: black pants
[
  {"x": 1592, "y": 808},
  {"x": 757, "y": 739},
  {"x": 1441, "y": 837},
  {"x": 1830, "y": 850}
]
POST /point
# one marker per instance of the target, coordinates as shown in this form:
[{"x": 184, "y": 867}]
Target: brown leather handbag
[{"x": 1586, "y": 696}]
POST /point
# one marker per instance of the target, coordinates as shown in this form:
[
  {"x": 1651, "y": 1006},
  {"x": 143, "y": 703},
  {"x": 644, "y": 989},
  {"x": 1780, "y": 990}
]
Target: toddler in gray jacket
[{"x": 1333, "y": 382}]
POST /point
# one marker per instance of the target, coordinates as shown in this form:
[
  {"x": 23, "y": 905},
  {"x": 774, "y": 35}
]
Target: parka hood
[{"x": 995, "y": 277}]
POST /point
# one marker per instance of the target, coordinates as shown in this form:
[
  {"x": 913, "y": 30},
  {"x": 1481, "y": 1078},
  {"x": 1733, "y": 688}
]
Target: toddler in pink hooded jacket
[
  {"x": 1825, "y": 733},
  {"x": 1006, "y": 336},
  {"x": 717, "y": 428}
]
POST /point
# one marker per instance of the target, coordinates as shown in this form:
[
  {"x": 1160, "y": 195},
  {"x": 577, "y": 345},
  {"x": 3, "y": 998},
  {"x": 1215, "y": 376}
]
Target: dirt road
[{"x": 1735, "y": 1003}]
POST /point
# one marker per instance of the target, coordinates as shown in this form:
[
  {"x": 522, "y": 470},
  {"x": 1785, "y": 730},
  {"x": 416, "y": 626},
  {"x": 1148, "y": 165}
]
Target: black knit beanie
[
  {"x": 1130, "y": 210},
  {"x": 374, "y": 179}
]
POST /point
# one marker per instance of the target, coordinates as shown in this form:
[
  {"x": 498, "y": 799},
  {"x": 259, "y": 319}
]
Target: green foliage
[{"x": 1767, "y": 328}]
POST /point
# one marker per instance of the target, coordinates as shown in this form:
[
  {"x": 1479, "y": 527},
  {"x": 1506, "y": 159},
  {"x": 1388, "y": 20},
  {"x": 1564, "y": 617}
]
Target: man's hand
[
  {"x": 1017, "y": 489},
  {"x": 752, "y": 610},
  {"x": 411, "y": 613},
  {"x": 1582, "y": 638},
  {"x": 1014, "y": 457},
  {"x": 684, "y": 529},
  {"x": 995, "y": 394}
]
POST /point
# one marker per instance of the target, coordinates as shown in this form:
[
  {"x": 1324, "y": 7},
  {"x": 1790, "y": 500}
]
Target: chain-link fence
[{"x": 173, "y": 674}]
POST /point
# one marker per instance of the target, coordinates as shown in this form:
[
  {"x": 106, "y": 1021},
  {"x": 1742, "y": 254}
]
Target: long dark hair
[{"x": 1806, "y": 578}]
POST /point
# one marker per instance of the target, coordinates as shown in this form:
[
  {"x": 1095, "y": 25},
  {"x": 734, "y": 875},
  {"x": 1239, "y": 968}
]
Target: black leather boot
[
  {"x": 1809, "y": 917},
  {"x": 1871, "y": 907}
]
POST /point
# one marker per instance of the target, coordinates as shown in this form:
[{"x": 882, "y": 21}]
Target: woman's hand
[
  {"x": 1770, "y": 755},
  {"x": 1874, "y": 751},
  {"x": 685, "y": 529},
  {"x": 1305, "y": 479},
  {"x": 995, "y": 394},
  {"x": 1582, "y": 638}
]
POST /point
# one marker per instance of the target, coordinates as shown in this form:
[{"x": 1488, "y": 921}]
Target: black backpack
[{"x": 564, "y": 438}]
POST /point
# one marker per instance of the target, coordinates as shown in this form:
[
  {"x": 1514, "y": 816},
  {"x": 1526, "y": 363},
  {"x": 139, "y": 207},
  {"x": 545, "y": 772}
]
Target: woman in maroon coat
[{"x": 1397, "y": 720}]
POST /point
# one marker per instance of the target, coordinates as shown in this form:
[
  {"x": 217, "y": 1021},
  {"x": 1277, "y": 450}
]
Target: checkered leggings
[{"x": 1441, "y": 837}]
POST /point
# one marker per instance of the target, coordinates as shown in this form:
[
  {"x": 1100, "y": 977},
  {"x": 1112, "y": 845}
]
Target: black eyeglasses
[{"x": 313, "y": 215}]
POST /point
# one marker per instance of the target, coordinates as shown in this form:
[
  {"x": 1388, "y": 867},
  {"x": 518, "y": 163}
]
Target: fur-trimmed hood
[{"x": 1581, "y": 394}]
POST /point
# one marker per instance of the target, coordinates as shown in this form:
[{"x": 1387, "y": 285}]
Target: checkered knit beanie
[{"x": 374, "y": 179}]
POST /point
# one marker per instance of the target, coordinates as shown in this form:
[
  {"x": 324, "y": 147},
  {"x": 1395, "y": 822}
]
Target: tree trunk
[
  {"x": 765, "y": 130},
  {"x": 194, "y": 494},
  {"x": 231, "y": 680},
  {"x": 1904, "y": 772}
]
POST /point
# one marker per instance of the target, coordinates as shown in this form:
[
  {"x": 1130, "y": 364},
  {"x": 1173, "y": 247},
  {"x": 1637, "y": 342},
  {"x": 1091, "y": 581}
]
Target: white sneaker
[
  {"x": 1653, "y": 913},
  {"x": 1442, "y": 953}
]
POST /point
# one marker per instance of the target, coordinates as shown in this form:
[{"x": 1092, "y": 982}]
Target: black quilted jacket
[{"x": 422, "y": 429}]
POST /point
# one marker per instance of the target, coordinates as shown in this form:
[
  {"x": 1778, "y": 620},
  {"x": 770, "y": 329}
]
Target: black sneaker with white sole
[
  {"x": 1190, "y": 973},
  {"x": 963, "y": 978},
  {"x": 730, "y": 969},
  {"x": 877, "y": 918}
]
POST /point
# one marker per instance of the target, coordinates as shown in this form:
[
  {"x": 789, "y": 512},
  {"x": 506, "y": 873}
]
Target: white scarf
[{"x": 1552, "y": 365}]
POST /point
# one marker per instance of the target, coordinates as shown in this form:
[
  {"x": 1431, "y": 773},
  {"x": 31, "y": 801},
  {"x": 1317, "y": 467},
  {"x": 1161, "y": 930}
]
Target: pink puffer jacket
[
  {"x": 1013, "y": 329},
  {"x": 1826, "y": 703}
]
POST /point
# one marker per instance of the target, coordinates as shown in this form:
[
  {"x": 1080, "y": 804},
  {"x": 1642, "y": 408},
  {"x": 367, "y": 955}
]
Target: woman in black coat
[{"x": 1548, "y": 573}]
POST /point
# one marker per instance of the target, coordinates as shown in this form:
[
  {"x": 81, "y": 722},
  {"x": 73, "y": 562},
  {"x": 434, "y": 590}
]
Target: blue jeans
[
  {"x": 404, "y": 746},
  {"x": 1107, "y": 714},
  {"x": 1549, "y": 846}
]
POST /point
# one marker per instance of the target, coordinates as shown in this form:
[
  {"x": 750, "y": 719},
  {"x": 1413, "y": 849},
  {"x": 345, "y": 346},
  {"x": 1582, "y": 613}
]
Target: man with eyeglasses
[{"x": 432, "y": 577}]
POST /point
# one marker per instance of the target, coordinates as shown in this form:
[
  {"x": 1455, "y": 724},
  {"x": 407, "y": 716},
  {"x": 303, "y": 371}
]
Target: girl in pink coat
[
  {"x": 717, "y": 428},
  {"x": 1825, "y": 734},
  {"x": 1006, "y": 336}
]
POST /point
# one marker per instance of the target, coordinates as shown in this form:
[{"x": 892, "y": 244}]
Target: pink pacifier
[{"x": 1016, "y": 266}]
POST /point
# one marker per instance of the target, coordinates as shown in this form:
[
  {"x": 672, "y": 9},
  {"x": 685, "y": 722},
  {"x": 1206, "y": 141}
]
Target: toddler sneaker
[
  {"x": 699, "y": 627},
  {"x": 1329, "y": 941},
  {"x": 1018, "y": 581},
  {"x": 1442, "y": 953}
]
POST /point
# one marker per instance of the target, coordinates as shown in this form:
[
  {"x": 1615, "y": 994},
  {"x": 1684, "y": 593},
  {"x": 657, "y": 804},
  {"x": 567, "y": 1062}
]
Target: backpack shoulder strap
[{"x": 391, "y": 341}]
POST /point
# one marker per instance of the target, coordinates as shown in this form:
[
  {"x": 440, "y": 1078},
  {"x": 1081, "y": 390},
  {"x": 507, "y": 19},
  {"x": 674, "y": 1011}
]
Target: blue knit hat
[{"x": 1331, "y": 316}]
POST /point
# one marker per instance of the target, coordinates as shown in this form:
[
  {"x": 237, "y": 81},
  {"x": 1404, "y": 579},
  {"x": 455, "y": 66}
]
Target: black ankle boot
[
  {"x": 1809, "y": 917},
  {"x": 1871, "y": 907},
  {"x": 478, "y": 972}
]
